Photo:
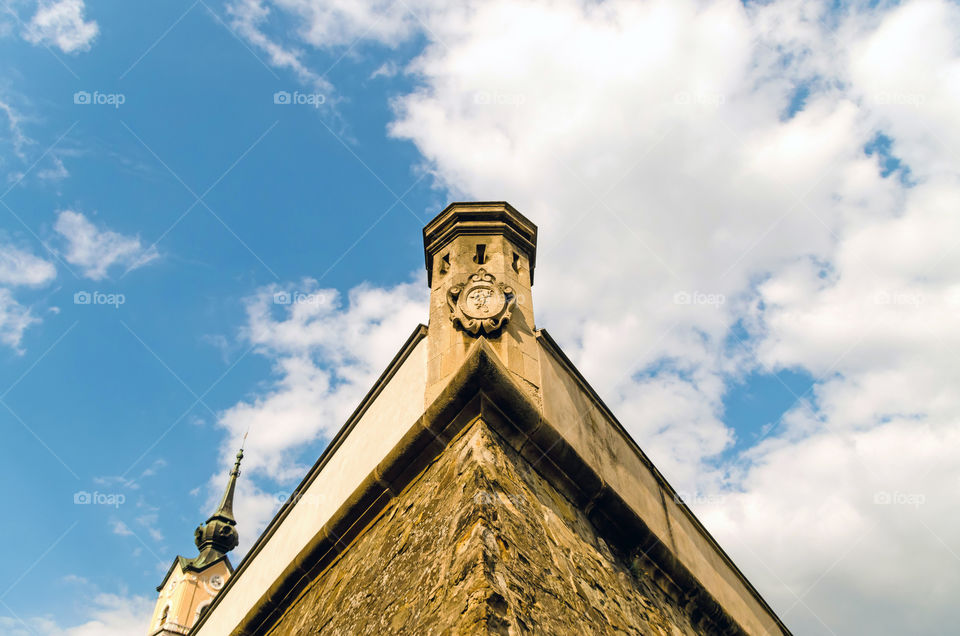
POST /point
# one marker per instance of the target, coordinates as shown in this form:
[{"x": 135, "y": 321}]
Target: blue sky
[
  {"x": 287, "y": 198},
  {"x": 756, "y": 200}
]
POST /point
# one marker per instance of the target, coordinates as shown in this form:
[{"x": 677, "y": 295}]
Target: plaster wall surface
[{"x": 183, "y": 594}]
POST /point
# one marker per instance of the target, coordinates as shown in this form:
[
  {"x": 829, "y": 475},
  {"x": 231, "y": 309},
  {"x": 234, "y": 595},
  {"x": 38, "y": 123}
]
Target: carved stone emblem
[{"x": 481, "y": 304}]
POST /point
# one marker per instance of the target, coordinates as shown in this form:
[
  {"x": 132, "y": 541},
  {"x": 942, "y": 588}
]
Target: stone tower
[
  {"x": 482, "y": 486},
  {"x": 191, "y": 584}
]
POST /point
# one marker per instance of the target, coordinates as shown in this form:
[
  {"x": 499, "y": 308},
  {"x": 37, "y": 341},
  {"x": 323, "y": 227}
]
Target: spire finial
[{"x": 236, "y": 465}]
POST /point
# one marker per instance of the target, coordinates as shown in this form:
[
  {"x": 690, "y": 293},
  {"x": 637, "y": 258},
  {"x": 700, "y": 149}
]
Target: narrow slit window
[{"x": 480, "y": 258}]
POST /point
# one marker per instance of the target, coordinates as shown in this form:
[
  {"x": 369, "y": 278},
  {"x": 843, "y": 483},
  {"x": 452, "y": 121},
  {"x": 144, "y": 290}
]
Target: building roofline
[{"x": 187, "y": 564}]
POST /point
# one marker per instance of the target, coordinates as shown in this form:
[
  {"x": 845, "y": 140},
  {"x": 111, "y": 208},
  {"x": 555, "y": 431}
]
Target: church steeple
[
  {"x": 225, "y": 509},
  {"x": 219, "y": 534},
  {"x": 191, "y": 584}
]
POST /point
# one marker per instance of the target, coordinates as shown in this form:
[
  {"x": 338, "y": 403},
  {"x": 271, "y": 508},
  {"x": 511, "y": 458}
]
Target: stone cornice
[
  {"x": 554, "y": 349},
  {"x": 479, "y": 218}
]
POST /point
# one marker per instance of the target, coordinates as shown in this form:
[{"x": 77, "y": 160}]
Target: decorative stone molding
[
  {"x": 481, "y": 304},
  {"x": 476, "y": 219}
]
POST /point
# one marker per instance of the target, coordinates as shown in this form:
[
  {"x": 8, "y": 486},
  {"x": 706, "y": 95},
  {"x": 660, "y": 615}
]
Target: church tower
[
  {"x": 191, "y": 584},
  {"x": 483, "y": 487}
]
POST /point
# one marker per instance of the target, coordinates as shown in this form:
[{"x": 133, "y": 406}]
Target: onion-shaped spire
[{"x": 219, "y": 535}]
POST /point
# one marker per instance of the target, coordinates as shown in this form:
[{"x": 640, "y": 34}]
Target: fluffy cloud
[
  {"x": 61, "y": 23},
  {"x": 14, "y": 320},
  {"x": 18, "y": 139},
  {"x": 56, "y": 172},
  {"x": 108, "y": 615},
  {"x": 17, "y": 144},
  {"x": 698, "y": 171},
  {"x": 328, "y": 24},
  {"x": 247, "y": 18},
  {"x": 654, "y": 135},
  {"x": 96, "y": 250},
  {"x": 120, "y": 528},
  {"x": 19, "y": 268}
]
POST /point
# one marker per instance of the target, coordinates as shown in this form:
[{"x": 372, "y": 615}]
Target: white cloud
[
  {"x": 56, "y": 172},
  {"x": 61, "y": 23},
  {"x": 52, "y": 169},
  {"x": 150, "y": 521},
  {"x": 105, "y": 615},
  {"x": 653, "y": 106},
  {"x": 114, "y": 615},
  {"x": 154, "y": 468},
  {"x": 246, "y": 18},
  {"x": 116, "y": 481},
  {"x": 14, "y": 320},
  {"x": 30, "y": 627},
  {"x": 19, "y": 267},
  {"x": 96, "y": 250},
  {"x": 75, "y": 578},
  {"x": 340, "y": 23},
  {"x": 387, "y": 69},
  {"x": 18, "y": 139},
  {"x": 120, "y": 528},
  {"x": 655, "y": 145}
]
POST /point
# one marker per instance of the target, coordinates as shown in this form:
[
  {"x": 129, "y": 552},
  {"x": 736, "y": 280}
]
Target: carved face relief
[{"x": 481, "y": 304}]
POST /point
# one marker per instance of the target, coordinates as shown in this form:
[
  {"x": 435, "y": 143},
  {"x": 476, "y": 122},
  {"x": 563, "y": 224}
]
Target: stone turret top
[
  {"x": 480, "y": 258},
  {"x": 481, "y": 218}
]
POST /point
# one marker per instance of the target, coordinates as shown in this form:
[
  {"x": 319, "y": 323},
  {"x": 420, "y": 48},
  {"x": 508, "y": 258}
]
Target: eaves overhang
[{"x": 187, "y": 565}]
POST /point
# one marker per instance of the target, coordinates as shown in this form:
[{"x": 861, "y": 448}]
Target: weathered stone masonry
[{"x": 481, "y": 543}]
